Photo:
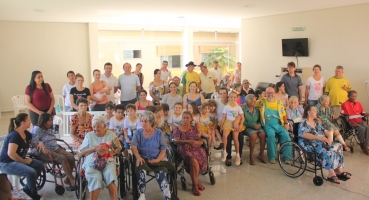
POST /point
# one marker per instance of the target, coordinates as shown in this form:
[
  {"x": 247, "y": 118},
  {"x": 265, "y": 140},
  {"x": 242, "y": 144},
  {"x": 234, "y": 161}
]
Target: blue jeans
[
  {"x": 66, "y": 108},
  {"x": 31, "y": 171},
  {"x": 312, "y": 102}
]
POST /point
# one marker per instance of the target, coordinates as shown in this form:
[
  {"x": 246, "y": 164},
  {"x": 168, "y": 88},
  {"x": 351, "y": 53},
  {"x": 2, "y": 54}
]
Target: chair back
[
  {"x": 296, "y": 131},
  {"x": 59, "y": 100},
  {"x": 19, "y": 100}
]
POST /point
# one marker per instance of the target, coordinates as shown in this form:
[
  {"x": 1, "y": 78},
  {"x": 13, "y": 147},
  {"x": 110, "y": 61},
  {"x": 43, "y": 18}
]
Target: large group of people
[{"x": 183, "y": 110}]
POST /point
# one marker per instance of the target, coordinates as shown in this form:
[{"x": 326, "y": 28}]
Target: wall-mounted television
[{"x": 295, "y": 47}]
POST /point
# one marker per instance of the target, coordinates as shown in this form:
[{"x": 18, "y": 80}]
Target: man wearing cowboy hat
[
  {"x": 207, "y": 80},
  {"x": 189, "y": 77}
]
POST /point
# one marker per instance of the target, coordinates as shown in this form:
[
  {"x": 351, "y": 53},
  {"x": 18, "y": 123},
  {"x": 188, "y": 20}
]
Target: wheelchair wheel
[
  {"x": 40, "y": 182},
  {"x": 184, "y": 183},
  {"x": 128, "y": 173},
  {"x": 318, "y": 181},
  {"x": 134, "y": 181},
  {"x": 212, "y": 178},
  {"x": 80, "y": 182},
  {"x": 59, "y": 189},
  {"x": 298, "y": 159}
]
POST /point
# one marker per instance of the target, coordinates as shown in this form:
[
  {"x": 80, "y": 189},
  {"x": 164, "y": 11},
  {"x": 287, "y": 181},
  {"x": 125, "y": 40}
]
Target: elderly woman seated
[
  {"x": 46, "y": 142},
  {"x": 189, "y": 145},
  {"x": 100, "y": 142},
  {"x": 253, "y": 128},
  {"x": 329, "y": 153},
  {"x": 149, "y": 147}
]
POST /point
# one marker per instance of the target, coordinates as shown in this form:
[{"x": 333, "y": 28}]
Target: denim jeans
[
  {"x": 66, "y": 108},
  {"x": 31, "y": 172}
]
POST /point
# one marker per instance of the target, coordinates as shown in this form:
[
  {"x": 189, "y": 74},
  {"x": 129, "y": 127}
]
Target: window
[
  {"x": 127, "y": 54},
  {"x": 174, "y": 61}
]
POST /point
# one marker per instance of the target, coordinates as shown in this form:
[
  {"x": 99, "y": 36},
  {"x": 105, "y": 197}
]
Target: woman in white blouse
[{"x": 315, "y": 86}]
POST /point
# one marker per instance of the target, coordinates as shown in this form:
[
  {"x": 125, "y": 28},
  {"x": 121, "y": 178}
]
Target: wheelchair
[
  {"x": 301, "y": 160},
  {"x": 173, "y": 153},
  {"x": 81, "y": 181},
  {"x": 52, "y": 168}
]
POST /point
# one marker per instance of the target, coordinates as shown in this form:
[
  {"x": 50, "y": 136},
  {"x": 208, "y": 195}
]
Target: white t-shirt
[
  {"x": 232, "y": 111},
  {"x": 176, "y": 121},
  {"x": 316, "y": 87},
  {"x": 218, "y": 75},
  {"x": 116, "y": 125},
  {"x": 128, "y": 84},
  {"x": 165, "y": 75},
  {"x": 220, "y": 108},
  {"x": 66, "y": 92},
  {"x": 132, "y": 126},
  {"x": 111, "y": 81},
  {"x": 170, "y": 100}
]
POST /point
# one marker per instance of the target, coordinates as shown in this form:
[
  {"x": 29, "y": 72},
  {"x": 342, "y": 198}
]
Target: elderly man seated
[
  {"x": 274, "y": 120},
  {"x": 355, "y": 112}
]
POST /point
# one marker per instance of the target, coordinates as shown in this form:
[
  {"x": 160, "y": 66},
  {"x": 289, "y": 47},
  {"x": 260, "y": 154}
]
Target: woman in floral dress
[
  {"x": 329, "y": 153},
  {"x": 81, "y": 122},
  {"x": 189, "y": 145}
]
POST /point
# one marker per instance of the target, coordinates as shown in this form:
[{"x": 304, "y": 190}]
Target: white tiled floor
[{"x": 261, "y": 181}]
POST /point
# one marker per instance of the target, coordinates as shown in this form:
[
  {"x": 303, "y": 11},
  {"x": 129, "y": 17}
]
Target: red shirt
[
  {"x": 40, "y": 99},
  {"x": 353, "y": 110}
]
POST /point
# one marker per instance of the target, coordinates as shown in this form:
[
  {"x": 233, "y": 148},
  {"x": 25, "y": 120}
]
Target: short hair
[
  {"x": 107, "y": 64},
  {"x": 70, "y": 72},
  {"x": 158, "y": 108},
  {"x": 323, "y": 98},
  {"x": 239, "y": 63},
  {"x": 291, "y": 64},
  {"x": 119, "y": 107},
  {"x": 131, "y": 106},
  {"x": 178, "y": 103},
  {"x": 98, "y": 119},
  {"x": 317, "y": 66},
  {"x": 138, "y": 64},
  {"x": 249, "y": 98},
  {"x": 95, "y": 70},
  {"x": 164, "y": 61},
  {"x": 150, "y": 108},
  {"x": 156, "y": 71},
  {"x": 206, "y": 104},
  {"x": 144, "y": 91},
  {"x": 81, "y": 100},
  {"x": 176, "y": 77},
  {"x": 351, "y": 92},
  {"x": 78, "y": 75},
  {"x": 165, "y": 106},
  {"x": 212, "y": 102},
  {"x": 109, "y": 105},
  {"x": 148, "y": 115},
  {"x": 339, "y": 67},
  {"x": 292, "y": 98},
  {"x": 127, "y": 64},
  {"x": 223, "y": 88}
]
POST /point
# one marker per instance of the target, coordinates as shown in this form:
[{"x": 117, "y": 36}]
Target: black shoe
[
  {"x": 33, "y": 196},
  {"x": 220, "y": 147}
]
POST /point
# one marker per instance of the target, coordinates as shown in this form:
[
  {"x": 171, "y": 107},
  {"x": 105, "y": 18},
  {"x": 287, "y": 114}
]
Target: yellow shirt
[
  {"x": 336, "y": 93},
  {"x": 272, "y": 105},
  {"x": 189, "y": 77}
]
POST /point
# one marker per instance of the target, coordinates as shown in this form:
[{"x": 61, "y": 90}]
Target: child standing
[
  {"x": 194, "y": 110},
  {"x": 176, "y": 118},
  {"x": 165, "y": 111},
  {"x": 214, "y": 124},
  {"x": 294, "y": 110},
  {"x": 109, "y": 108},
  {"x": 131, "y": 124},
  {"x": 117, "y": 122},
  {"x": 230, "y": 112},
  {"x": 161, "y": 124}
]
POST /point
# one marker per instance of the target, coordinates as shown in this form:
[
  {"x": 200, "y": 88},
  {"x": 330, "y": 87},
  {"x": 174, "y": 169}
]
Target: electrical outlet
[{"x": 366, "y": 82}]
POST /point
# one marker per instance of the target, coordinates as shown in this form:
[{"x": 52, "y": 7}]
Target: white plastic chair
[
  {"x": 14, "y": 180},
  {"x": 19, "y": 104},
  {"x": 58, "y": 121},
  {"x": 59, "y": 100}
]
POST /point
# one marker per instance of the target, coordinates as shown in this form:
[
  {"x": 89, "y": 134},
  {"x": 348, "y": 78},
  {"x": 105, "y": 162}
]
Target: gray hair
[
  {"x": 249, "y": 98},
  {"x": 148, "y": 115},
  {"x": 293, "y": 98},
  {"x": 98, "y": 119},
  {"x": 323, "y": 98}
]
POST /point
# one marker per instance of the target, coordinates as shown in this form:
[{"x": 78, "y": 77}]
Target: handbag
[{"x": 5, "y": 188}]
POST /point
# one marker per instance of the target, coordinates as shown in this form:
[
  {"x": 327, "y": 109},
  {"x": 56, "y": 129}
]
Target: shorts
[
  {"x": 126, "y": 145},
  {"x": 58, "y": 155},
  {"x": 228, "y": 125},
  {"x": 250, "y": 131}
]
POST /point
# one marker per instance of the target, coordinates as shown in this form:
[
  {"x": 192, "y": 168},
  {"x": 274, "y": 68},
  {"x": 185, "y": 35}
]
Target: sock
[
  {"x": 225, "y": 151},
  {"x": 238, "y": 154},
  {"x": 340, "y": 139}
]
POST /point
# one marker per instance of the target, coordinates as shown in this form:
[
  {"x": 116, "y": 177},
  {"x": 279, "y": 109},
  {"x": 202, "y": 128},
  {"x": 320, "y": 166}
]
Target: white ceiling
[{"x": 227, "y": 13}]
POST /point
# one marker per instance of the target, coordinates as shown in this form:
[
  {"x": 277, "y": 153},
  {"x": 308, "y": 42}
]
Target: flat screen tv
[{"x": 295, "y": 47}]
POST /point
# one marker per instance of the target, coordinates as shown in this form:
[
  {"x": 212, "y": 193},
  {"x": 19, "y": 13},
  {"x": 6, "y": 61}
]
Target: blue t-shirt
[
  {"x": 149, "y": 148},
  {"x": 23, "y": 145}
]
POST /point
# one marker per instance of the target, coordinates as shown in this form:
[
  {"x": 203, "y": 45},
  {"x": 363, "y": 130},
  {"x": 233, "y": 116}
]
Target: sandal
[
  {"x": 333, "y": 179},
  {"x": 346, "y": 148},
  {"x": 196, "y": 192},
  {"x": 228, "y": 162},
  {"x": 261, "y": 160},
  {"x": 200, "y": 187},
  {"x": 71, "y": 188},
  {"x": 344, "y": 176}
]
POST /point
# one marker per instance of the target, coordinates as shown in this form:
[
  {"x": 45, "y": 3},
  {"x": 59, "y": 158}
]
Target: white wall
[
  {"x": 53, "y": 48},
  {"x": 337, "y": 36}
]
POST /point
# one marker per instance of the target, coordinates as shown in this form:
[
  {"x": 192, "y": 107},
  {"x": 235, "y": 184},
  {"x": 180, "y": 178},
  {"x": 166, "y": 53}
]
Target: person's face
[
  {"x": 291, "y": 69},
  {"x": 99, "y": 129},
  {"x": 252, "y": 103},
  {"x": 238, "y": 89},
  {"x": 71, "y": 77},
  {"x": 97, "y": 75},
  {"x": 233, "y": 97},
  {"x": 145, "y": 124},
  {"x": 82, "y": 107},
  {"x": 119, "y": 113},
  {"x": 313, "y": 112},
  {"x": 193, "y": 88},
  {"x": 190, "y": 68},
  {"x": 262, "y": 94},
  {"x": 80, "y": 81},
  {"x": 215, "y": 65},
  {"x": 143, "y": 96},
  {"x": 108, "y": 69},
  {"x": 203, "y": 69},
  {"x": 158, "y": 74},
  {"x": 270, "y": 94},
  {"x": 139, "y": 67},
  {"x": 316, "y": 71},
  {"x": 205, "y": 109},
  {"x": 173, "y": 88},
  {"x": 223, "y": 94},
  {"x": 49, "y": 123},
  {"x": 39, "y": 79},
  {"x": 176, "y": 81},
  {"x": 186, "y": 118},
  {"x": 246, "y": 85},
  {"x": 326, "y": 103},
  {"x": 189, "y": 108},
  {"x": 178, "y": 109},
  {"x": 165, "y": 65},
  {"x": 212, "y": 109},
  {"x": 338, "y": 72},
  {"x": 293, "y": 104},
  {"x": 27, "y": 123},
  {"x": 159, "y": 114},
  {"x": 282, "y": 88},
  {"x": 239, "y": 66},
  {"x": 127, "y": 68},
  {"x": 166, "y": 112},
  {"x": 109, "y": 111},
  {"x": 131, "y": 112},
  {"x": 353, "y": 97}
]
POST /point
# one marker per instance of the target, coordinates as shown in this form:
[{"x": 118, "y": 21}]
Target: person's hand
[
  {"x": 154, "y": 161},
  {"x": 191, "y": 142},
  {"x": 41, "y": 148},
  {"x": 102, "y": 150},
  {"x": 128, "y": 141},
  {"x": 139, "y": 161},
  {"x": 160, "y": 90},
  {"x": 300, "y": 102},
  {"x": 287, "y": 126},
  {"x": 236, "y": 127},
  {"x": 305, "y": 102},
  {"x": 256, "y": 126},
  {"x": 353, "y": 124},
  {"x": 27, "y": 161},
  {"x": 323, "y": 139},
  {"x": 344, "y": 88}
]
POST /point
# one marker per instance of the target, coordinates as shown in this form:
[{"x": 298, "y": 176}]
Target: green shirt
[{"x": 251, "y": 118}]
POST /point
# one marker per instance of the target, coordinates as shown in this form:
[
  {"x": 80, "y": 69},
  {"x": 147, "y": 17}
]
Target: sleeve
[
  {"x": 163, "y": 143},
  {"x": 72, "y": 90},
  {"x": 14, "y": 139},
  {"x": 125, "y": 123},
  {"x": 300, "y": 81},
  {"x": 240, "y": 111},
  {"x": 288, "y": 110},
  {"x": 86, "y": 143},
  {"x": 111, "y": 123},
  {"x": 348, "y": 84},
  {"x": 301, "y": 110},
  {"x": 115, "y": 82},
  {"x": 151, "y": 86},
  {"x": 119, "y": 81},
  {"x": 197, "y": 78},
  {"x": 302, "y": 129},
  {"x": 308, "y": 82},
  {"x": 225, "y": 109},
  {"x": 283, "y": 78},
  {"x": 328, "y": 86},
  {"x": 164, "y": 99},
  {"x": 135, "y": 139},
  {"x": 344, "y": 109},
  {"x": 138, "y": 81},
  {"x": 184, "y": 78},
  {"x": 49, "y": 87},
  {"x": 28, "y": 90},
  {"x": 88, "y": 92},
  {"x": 36, "y": 135},
  {"x": 74, "y": 120}
]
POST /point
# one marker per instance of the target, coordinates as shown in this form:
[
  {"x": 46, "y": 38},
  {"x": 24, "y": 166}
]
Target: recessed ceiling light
[
  {"x": 39, "y": 10},
  {"x": 249, "y": 6}
]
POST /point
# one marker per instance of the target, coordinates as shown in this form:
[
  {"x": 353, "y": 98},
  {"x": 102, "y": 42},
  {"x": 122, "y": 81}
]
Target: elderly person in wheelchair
[
  {"x": 46, "y": 145},
  {"x": 189, "y": 145},
  {"x": 314, "y": 138},
  {"x": 98, "y": 144},
  {"x": 149, "y": 147}
]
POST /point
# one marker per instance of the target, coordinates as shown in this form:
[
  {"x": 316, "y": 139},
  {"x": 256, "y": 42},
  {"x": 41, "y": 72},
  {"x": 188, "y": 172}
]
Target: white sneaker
[
  {"x": 223, "y": 157},
  {"x": 142, "y": 197},
  {"x": 238, "y": 160}
]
